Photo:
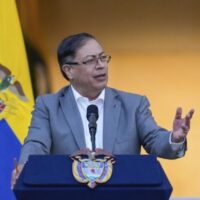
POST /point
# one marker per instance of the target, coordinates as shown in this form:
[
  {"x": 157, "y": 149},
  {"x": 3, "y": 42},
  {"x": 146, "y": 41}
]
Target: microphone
[{"x": 92, "y": 117}]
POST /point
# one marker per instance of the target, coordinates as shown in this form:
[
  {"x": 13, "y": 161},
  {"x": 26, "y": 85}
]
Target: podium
[{"x": 135, "y": 177}]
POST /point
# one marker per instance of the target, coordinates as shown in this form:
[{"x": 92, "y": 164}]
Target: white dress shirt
[{"x": 83, "y": 103}]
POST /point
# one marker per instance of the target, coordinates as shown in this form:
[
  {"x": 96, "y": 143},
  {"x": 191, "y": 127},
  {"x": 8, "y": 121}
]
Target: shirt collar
[{"x": 78, "y": 96}]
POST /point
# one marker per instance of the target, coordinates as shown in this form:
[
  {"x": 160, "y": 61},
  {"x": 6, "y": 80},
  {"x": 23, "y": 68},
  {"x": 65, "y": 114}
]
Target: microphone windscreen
[{"x": 92, "y": 109}]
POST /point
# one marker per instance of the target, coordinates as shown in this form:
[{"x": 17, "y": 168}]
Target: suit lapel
[
  {"x": 72, "y": 115},
  {"x": 112, "y": 107}
]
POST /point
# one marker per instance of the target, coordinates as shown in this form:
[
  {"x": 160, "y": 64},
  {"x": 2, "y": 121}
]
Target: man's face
[{"x": 89, "y": 79}]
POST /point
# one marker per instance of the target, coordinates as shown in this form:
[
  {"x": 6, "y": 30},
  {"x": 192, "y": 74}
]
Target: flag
[{"x": 16, "y": 98}]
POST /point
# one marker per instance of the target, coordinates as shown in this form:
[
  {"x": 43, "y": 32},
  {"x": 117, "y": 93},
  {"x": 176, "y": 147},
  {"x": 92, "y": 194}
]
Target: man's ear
[{"x": 67, "y": 70}]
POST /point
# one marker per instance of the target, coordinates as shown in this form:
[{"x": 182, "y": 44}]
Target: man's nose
[{"x": 100, "y": 64}]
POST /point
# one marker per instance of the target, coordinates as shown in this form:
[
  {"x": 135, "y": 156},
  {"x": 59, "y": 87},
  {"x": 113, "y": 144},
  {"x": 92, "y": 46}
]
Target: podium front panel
[{"x": 134, "y": 177}]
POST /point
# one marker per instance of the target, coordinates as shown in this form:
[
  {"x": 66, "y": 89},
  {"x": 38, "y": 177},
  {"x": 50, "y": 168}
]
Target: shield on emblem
[{"x": 92, "y": 170}]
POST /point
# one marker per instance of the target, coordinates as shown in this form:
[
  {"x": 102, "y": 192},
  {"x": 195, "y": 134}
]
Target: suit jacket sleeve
[
  {"x": 38, "y": 140},
  {"x": 154, "y": 139}
]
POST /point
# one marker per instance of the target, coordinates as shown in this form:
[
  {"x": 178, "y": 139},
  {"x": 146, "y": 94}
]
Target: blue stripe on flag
[{"x": 9, "y": 149}]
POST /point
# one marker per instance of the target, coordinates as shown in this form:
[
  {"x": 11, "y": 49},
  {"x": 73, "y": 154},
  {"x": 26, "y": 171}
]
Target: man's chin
[
  {"x": 102, "y": 85},
  {"x": 98, "y": 89}
]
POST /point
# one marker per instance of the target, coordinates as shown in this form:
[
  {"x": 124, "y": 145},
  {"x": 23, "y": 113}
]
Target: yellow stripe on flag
[{"x": 16, "y": 98}]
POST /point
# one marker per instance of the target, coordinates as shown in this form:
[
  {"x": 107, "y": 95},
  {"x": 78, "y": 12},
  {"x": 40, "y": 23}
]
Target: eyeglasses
[{"x": 92, "y": 60}]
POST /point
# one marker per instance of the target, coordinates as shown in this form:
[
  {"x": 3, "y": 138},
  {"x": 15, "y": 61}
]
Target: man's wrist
[
  {"x": 172, "y": 140},
  {"x": 176, "y": 140}
]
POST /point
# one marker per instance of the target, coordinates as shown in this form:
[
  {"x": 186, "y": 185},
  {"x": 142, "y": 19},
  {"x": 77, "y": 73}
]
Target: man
[{"x": 59, "y": 124}]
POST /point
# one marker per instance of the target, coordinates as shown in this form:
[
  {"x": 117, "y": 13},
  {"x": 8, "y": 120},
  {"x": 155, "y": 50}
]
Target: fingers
[
  {"x": 14, "y": 178},
  {"x": 185, "y": 129},
  {"x": 178, "y": 113},
  {"x": 190, "y": 114},
  {"x": 15, "y": 175},
  {"x": 189, "y": 117}
]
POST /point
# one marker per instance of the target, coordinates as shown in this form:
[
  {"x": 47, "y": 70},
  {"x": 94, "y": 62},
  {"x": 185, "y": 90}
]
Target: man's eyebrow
[
  {"x": 102, "y": 53},
  {"x": 95, "y": 55}
]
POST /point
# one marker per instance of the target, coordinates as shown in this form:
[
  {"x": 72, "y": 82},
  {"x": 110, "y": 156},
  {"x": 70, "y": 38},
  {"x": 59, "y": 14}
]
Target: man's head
[{"x": 84, "y": 63}]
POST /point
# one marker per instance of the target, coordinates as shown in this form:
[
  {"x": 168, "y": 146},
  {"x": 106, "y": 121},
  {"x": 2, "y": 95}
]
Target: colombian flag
[{"x": 16, "y": 98}]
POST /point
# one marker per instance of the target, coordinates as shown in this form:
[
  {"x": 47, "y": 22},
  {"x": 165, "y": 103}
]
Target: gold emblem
[{"x": 92, "y": 168}]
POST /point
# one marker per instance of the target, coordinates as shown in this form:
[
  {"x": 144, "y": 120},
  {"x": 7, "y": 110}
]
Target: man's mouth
[{"x": 100, "y": 77}]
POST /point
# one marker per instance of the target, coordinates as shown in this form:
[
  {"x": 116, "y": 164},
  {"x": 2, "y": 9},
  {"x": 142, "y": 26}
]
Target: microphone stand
[
  {"x": 92, "y": 133},
  {"x": 92, "y": 129}
]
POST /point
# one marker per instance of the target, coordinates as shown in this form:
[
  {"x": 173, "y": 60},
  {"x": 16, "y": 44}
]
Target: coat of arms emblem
[{"x": 92, "y": 168}]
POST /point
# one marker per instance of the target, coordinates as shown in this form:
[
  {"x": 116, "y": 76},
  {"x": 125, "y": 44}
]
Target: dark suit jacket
[{"x": 56, "y": 126}]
